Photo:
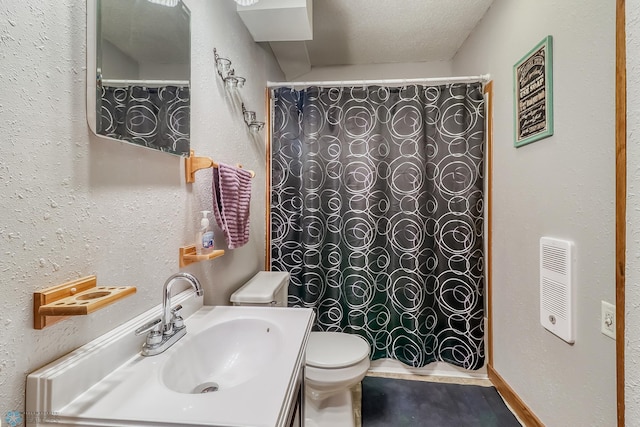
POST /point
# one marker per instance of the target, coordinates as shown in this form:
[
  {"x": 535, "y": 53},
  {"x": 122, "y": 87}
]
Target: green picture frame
[{"x": 533, "y": 94}]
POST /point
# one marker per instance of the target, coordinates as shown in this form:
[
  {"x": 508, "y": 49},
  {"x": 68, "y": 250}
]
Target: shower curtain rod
[
  {"x": 484, "y": 78},
  {"x": 146, "y": 82}
]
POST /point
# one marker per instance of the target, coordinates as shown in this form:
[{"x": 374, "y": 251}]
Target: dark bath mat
[{"x": 390, "y": 402}]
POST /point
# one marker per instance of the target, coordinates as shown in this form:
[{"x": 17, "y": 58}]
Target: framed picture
[{"x": 533, "y": 94}]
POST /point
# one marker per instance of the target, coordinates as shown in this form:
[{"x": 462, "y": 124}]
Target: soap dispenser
[{"x": 204, "y": 237}]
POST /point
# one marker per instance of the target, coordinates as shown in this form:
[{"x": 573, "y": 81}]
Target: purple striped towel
[{"x": 231, "y": 199}]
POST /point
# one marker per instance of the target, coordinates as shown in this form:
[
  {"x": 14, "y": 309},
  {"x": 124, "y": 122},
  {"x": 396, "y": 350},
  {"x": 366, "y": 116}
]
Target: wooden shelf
[
  {"x": 188, "y": 255},
  {"x": 76, "y": 298}
]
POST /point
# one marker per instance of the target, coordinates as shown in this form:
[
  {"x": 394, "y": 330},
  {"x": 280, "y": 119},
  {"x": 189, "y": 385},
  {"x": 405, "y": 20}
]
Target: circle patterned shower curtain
[
  {"x": 377, "y": 213},
  {"x": 154, "y": 117}
]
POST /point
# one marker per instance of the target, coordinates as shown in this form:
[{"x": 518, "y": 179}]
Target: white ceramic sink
[
  {"x": 253, "y": 355},
  {"x": 222, "y": 356}
]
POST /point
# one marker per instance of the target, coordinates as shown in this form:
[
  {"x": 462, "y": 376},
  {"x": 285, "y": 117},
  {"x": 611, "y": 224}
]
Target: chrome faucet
[{"x": 166, "y": 330}]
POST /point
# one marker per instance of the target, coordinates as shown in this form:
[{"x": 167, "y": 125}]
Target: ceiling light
[{"x": 246, "y": 2}]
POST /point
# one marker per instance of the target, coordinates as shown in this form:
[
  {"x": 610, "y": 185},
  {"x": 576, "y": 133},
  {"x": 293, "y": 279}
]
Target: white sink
[
  {"x": 236, "y": 366},
  {"x": 222, "y": 356}
]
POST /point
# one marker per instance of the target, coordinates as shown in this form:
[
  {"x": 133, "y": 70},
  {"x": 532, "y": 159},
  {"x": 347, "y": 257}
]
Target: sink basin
[
  {"x": 222, "y": 356},
  {"x": 236, "y": 366}
]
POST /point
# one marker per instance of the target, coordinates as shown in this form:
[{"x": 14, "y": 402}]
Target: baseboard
[{"x": 513, "y": 400}]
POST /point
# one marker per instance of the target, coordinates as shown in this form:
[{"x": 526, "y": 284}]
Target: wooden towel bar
[{"x": 193, "y": 164}]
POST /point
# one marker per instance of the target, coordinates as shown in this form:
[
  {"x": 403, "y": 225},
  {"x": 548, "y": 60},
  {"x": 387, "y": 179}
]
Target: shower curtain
[
  {"x": 155, "y": 117},
  {"x": 377, "y": 213}
]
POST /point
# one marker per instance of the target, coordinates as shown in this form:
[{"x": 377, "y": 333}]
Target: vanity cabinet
[
  {"x": 255, "y": 355},
  {"x": 295, "y": 417}
]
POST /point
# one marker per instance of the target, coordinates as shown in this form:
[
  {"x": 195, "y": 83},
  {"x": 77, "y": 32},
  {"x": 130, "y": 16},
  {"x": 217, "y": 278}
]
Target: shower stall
[{"x": 377, "y": 209}]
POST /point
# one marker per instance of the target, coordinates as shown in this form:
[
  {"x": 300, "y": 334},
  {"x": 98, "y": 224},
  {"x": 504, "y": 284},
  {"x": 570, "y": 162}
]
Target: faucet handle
[
  {"x": 148, "y": 326},
  {"x": 176, "y": 320}
]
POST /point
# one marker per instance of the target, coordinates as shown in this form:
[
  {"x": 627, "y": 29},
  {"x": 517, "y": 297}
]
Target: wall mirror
[{"x": 138, "y": 72}]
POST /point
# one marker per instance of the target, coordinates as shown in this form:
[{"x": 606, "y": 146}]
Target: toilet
[{"x": 335, "y": 361}]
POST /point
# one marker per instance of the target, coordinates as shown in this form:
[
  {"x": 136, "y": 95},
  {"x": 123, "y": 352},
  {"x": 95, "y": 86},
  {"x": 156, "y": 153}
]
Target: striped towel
[{"x": 231, "y": 200}]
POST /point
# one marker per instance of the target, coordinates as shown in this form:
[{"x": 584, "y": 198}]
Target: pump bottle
[{"x": 204, "y": 237}]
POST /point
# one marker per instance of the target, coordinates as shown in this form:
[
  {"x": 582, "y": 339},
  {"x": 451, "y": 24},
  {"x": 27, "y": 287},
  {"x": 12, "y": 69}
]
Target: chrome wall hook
[
  {"x": 250, "y": 120},
  {"x": 226, "y": 73},
  {"x": 232, "y": 82}
]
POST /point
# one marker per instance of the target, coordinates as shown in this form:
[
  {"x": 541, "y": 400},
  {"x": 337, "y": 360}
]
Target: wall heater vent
[{"x": 556, "y": 287}]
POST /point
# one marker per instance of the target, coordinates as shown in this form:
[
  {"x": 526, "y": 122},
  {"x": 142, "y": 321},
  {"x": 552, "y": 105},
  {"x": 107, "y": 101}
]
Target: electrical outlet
[{"x": 608, "y": 319}]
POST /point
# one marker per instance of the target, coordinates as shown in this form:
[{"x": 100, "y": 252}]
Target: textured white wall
[
  {"x": 73, "y": 205},
  {"x": 562, "y": 186},
  {"x": 632, "y": 291},
  {"x": 408, "y": 70}
]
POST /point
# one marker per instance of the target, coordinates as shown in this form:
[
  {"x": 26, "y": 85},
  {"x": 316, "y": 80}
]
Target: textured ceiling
[{"x": 382, "y": 31}]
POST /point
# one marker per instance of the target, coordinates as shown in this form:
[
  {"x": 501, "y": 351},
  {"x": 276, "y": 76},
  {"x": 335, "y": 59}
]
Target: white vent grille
[
  {"x": 554, "y": 301},
  {"x": 554, "y": 259},
  {"x": 556, "y": 287}
]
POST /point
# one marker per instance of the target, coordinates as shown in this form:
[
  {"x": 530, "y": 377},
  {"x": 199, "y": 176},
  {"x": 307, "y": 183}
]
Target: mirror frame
[
  {"x": 92, "y": 56},
  {"x": 92, "y": 27}
]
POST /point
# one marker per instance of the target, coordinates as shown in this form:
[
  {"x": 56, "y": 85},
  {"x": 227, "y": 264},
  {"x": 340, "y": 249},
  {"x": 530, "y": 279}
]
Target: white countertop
[{"x": 134, "y": 393}]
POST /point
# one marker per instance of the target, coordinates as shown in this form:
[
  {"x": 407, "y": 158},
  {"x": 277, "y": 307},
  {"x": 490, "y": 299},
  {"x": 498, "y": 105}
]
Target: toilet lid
[{"x": 335, "y": 349}]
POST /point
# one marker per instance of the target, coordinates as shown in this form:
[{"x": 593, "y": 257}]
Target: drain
[{"x": 208, "y": 387}]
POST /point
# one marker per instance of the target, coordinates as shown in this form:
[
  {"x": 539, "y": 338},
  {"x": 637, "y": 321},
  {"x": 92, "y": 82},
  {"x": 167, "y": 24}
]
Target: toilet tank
[{"x": 267, "y": 288}]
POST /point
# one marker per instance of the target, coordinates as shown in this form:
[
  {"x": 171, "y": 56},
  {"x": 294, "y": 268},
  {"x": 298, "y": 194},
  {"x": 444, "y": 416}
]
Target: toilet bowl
[{"x": 335, "y": 361}]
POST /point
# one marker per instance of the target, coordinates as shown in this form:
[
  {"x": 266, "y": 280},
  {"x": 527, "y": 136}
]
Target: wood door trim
[
  {"x": 488, "y": 91},
  {"x": 621, "y": 203},
  {"x": 267, "y": 184}
]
